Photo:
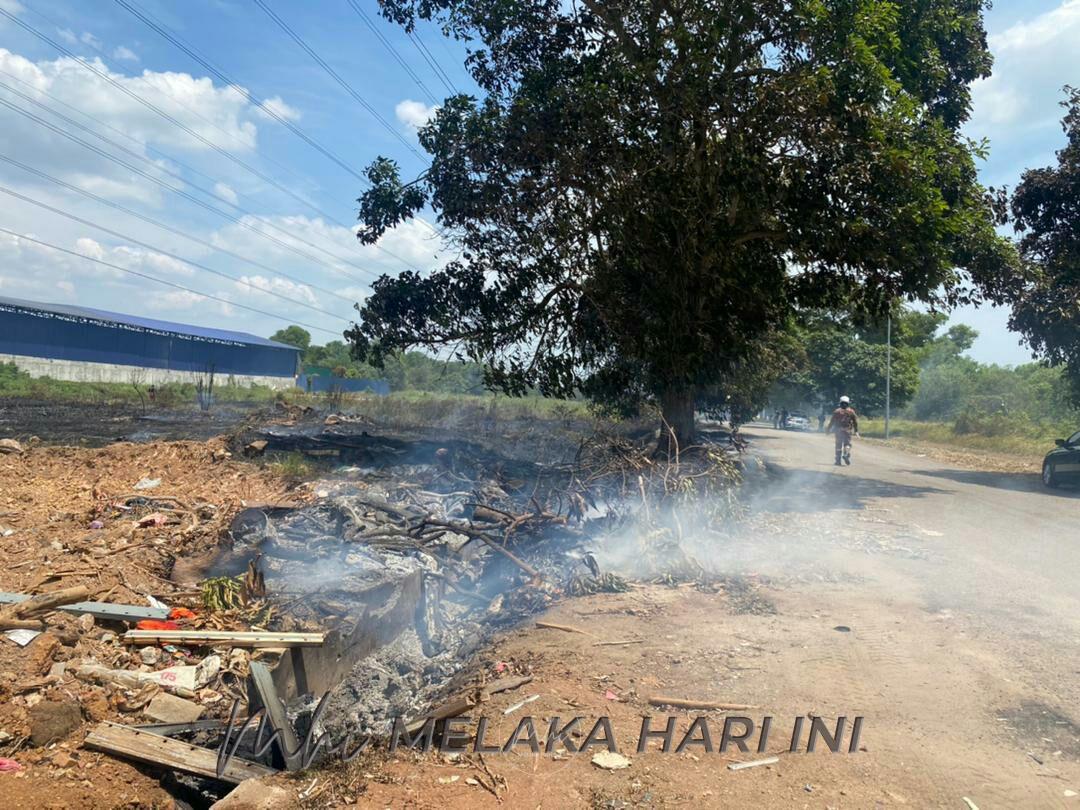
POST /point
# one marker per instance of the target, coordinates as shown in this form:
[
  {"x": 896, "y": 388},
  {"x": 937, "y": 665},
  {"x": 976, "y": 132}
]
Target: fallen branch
[
  {"x": 564, "y": 627},
  {"x": 15, "y": 616},
  {"x": 507, "y": 684},
  {"x": 679, "y": 703}
]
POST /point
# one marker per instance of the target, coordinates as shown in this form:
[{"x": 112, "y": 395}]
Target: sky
[{"x": 273, "y": 215}]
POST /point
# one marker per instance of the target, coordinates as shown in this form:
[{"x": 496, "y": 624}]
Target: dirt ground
[{"x": 936, "y": 602}]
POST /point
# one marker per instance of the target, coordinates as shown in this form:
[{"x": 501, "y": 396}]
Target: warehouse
[{"x": 88, "y": 345}]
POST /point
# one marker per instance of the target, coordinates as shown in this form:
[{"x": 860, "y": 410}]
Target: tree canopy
[
  {"x": 1046, "y": 213},
  {"x": 293, "y": 336},
  {"x": 646, "y": 190}
]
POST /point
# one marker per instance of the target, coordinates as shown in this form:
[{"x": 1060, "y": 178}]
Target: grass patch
[
  {"x": 294, "y": 466},
  {"x": 1017, "y": 437}
]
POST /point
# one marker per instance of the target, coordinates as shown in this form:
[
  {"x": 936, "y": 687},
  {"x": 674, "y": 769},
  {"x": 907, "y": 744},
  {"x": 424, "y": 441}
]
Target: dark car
[{"x": 1063, "y": 464}]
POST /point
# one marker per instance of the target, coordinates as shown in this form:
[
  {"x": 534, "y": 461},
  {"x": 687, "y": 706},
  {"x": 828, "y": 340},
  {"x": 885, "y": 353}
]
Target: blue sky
[{"x": 318, "y": 264}]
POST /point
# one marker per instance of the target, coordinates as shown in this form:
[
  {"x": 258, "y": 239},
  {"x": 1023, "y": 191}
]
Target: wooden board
[
  {"x": 221, "y": 638},
  {"x": 145, "y": 746}
]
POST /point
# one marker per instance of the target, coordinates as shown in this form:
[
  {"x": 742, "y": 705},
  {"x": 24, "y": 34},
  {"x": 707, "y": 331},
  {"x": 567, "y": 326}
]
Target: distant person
[
  {"x": 783, "y": 418},
  {"x": 152, "y": 392},
  {"x": 844, "y": 424},
  {"x": 821, "y": 421},
  {"x": 776, "y": 420}
]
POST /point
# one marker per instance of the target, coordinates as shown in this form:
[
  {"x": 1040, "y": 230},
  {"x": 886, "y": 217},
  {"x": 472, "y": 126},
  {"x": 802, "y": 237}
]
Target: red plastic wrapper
[
  {"x": 156, "y": 624},
  {"x": 178, "y": 613}
]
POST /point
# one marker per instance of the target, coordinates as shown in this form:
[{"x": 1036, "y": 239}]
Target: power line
[
  {"x": 159, "y": 27},
  {"x": 284, "y": 26},
  {"x": 179, "y": 102},
  {"x": 172, "y": 119},
  {"x": 195, "y": 200},
  {"x": 166, "y": 227},
  {"x": 134, "y": 241},
  {"x": 181, "y": 178},
  {"x": 433, "y": 63},
  {"x": 162, "y": 281},
  {"x": 393, "y": 51}
]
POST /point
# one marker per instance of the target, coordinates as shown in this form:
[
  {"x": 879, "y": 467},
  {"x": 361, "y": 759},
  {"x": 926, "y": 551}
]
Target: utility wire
[
  {"x": 161, "y": 280},
  {"x": 178, "y": 176},
  {"x": 433, "y": 63},
  {"x": 178, "y": 101},
  {"x": 171, "y": 36},
  {"x": 191, "y": 198},
  {"x": 166, "y": 227},
  {"x": 393, "y": 51},
  {"x": 284, "y": 26},
  {"x": 172, "y": 119},
  {"x": 153, "y": 248}
]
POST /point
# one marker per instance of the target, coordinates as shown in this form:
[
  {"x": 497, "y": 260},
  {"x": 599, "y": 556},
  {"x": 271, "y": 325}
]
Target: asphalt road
[{"x": 962, "y": 588}]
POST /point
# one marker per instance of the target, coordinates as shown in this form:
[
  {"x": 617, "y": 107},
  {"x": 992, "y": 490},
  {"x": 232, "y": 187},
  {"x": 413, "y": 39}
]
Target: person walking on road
[{"x": 844, "y": 424}]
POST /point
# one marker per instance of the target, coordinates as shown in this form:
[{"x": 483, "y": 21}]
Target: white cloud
[
  {"x": 414, "y": 114},
  {"x": 280, "y": 286},
  {"x": 226, "y": 192},
  {"x": 66, "y": 288},
  {"x": 1033, "y": 59},
  {"x": 125, "y": 54},
  {"x": 67, "y": 35},
  {"x": 89, "y": 39},
  {"x": 282, "y": 110}
]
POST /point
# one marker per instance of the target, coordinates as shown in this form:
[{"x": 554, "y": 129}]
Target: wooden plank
[
  {"x": 145, "y": 746},
  {"x": 287, "y": 743},
  {"x": 214, "y": 638}
]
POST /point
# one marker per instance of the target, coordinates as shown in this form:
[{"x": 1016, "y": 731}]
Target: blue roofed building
[{"x": 89, "y": 345}]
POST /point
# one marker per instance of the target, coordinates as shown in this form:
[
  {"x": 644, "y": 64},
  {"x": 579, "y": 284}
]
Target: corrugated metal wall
[{"x": 46, "y": 335}]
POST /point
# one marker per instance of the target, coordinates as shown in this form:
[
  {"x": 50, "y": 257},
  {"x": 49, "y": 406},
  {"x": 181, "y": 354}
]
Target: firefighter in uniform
[{"x": 844, "y": 424}]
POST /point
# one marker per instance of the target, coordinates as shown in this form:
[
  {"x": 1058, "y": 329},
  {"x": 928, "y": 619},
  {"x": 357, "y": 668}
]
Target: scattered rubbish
[
  {"x": 156, "y": 519},
  {"x": 106, "y": 611},
  {"x": 679, "y": 703},
  {"x": 157, "y": 603},
  {"x": 448, "y": 780},
  {"x": 619, "y": 643},
  {"x": 740, "y": 766},
  {"x": 156, "y": 625},
  {"x": 1070, "y": 794},
  {"x": 148, "y": 483},
  {"x": 22, "y": 637},
  {"x": 521, "y": 703},
  {"x": 223, "y": 638},
  {"x": 10, "y": 446},
  {"x": 971, "y": 805},
  {"x": 610, "y": 761},
  {"x": 609, "y": 695},
  {"x": 96, "y": 524},
  {"x": 288, "y": 745},
  {"x": 454, "y": 708},
  {"x": 9, "y": 765},
  {"x": 842, "y": 628}
]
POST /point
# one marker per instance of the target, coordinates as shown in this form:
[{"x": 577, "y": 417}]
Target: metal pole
[{"x": 888, "y": 375}]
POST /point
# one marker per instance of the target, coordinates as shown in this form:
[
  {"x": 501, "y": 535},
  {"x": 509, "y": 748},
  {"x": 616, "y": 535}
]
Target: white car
[{"x": 797, "y": 421}]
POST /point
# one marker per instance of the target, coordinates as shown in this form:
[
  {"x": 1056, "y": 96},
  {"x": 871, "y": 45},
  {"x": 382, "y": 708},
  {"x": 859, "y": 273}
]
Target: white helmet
[{"x": 845, "y": 400}]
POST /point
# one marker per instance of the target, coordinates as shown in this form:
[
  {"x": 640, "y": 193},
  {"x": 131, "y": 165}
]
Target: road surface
[{"x": 962, "y": 592}]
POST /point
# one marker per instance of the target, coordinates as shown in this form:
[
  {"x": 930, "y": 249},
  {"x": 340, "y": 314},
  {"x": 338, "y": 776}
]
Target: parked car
[
  {"x": 1063, "y": 464},
  {"x": 797, "y": 421}
]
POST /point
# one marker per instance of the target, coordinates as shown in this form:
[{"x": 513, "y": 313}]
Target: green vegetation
[
  {"x": 995, "y": 436},
  {"x": 19, "y": 384}
]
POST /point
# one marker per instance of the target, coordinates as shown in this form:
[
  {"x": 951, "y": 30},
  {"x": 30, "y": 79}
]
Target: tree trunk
[{"x": 677, "y": 421}]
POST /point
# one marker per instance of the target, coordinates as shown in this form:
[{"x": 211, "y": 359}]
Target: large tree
[
  {"x": 1046, "y": 212},
  {"x": 646, "y": 189}
]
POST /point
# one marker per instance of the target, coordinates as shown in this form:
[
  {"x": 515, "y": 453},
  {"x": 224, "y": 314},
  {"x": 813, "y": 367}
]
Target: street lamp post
[{"x": 888, "y": 374}]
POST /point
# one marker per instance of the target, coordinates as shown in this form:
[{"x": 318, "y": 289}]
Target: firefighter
[{"x": 844, "y": 424}]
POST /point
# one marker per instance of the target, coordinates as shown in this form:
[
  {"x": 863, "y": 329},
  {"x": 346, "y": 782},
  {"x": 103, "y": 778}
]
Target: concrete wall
[{"x": 78, "y": 371}]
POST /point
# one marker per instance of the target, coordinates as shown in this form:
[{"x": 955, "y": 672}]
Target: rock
[
  {"x": 256, "y": 448},
  {"x": 149, "y": 655},
  {"x": 10, "y": 446},
  {"x": 41, "y": 651},
  {"x": 108, "y": 637},
  {"x": 610, "y": 761},
  {"x": 57, "y": 670},
  {"x": 50, "y": 721},
  {"x": 255, "y": 795},
  {"x": 95, "y": 706},
  {"x": 62, "y": 759},
  {"x": 166, "y": 708},
  {"x": 85, "y": 622}
]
